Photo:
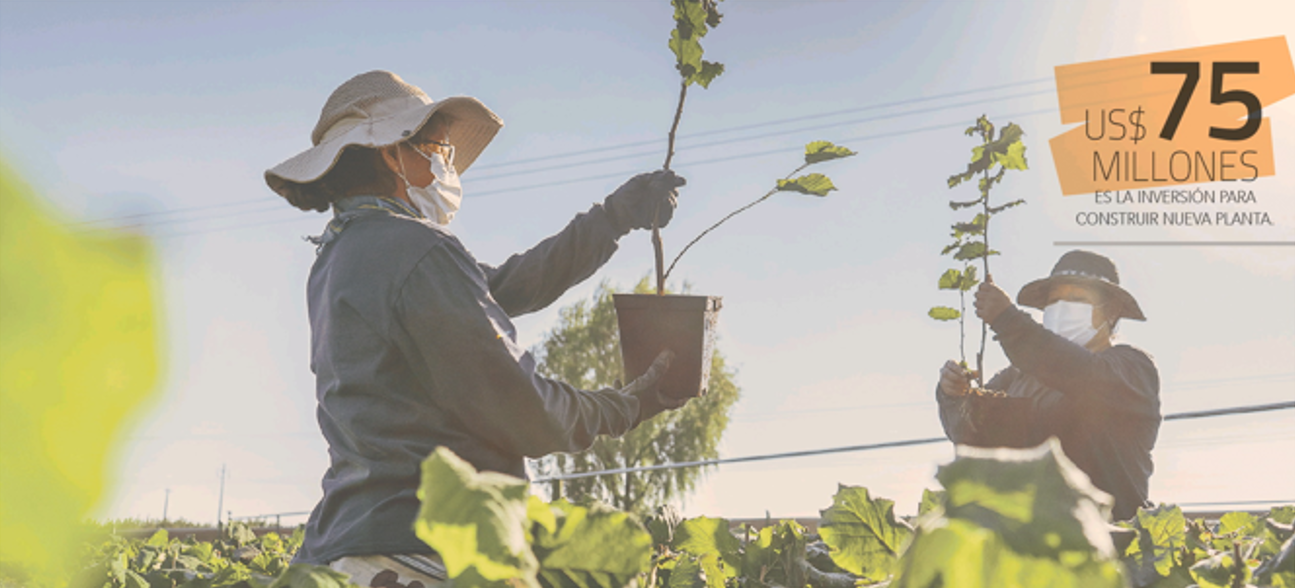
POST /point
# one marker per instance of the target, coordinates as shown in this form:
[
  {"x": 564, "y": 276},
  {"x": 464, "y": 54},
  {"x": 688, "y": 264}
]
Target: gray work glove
[
  {"x": 648, "y": 391},
  {"x": 633, "y": 205}
]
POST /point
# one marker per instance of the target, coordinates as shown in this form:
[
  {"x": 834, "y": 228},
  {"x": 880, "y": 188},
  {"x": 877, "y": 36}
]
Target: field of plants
[{"x": 1005, "y": 518}]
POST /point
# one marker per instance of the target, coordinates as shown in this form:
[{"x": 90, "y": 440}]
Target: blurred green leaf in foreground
[{"x": 78, "y": 355}]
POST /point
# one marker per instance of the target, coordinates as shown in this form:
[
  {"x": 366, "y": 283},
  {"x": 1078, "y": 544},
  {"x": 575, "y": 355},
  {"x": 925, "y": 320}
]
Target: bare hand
[
  {"x": 991, "y": 300},
  {"x": 954, "y": 380}
]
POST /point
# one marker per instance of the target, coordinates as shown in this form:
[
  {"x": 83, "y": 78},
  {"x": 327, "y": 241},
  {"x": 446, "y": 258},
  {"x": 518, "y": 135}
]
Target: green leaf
[
  {"x": 690, "y": 18},
  {"x": 239, "y": 534},
  {"x": 819, "y": 151},
  {"x": 201, "y": 551},
  {"x": 967, "y": 204},
  {"x": 1243, "y": 522},
  {"x": 975, "y": 227},
  {"x": 1014, "y": 158},
  {"x": 972, "y": 250},
  {"x": 475, "y": 521},
  {"x": 944, "y": 313},
  {"x": 687, "y": 52},
  {"x": 930, "y": 500},
  {"x": 79, "y": 356},
  {"x": 662, "y": 524},
  {"x": 311, "y": 576},
  {"x": 1162, "y": 533},
  {"x": 710, "y": 539},
  {"x": 1010, "y": 135},
  {"x": 589, "y": 547},
  {"x": 772, "y": 554},
  {"x": 1283, "y": 514},
  {"x": 864, "y": 537},
  {"x": 159, "y": 539},
  {"x": 951, "y": 280},
  {"x": 713, "y": 16},
  {"x": 1014, "y": 518},
  {"x": 707, "y": 74},
  {"x": 969, "y": 278},
  {"x": 1218, "y": 571},
  {"x": 1012, "y": 204},
  {"x": 812, "y": 184},
  {"x": 134, "y": 580},
  {"x": 687, "y": 573}
]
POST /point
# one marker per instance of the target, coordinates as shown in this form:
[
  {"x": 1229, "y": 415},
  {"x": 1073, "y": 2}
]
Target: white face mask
[
  {"x": 439, "y": 200},
  {"x": 1072, "y": 320}
]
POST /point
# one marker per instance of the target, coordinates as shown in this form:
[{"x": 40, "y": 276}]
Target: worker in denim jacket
[{"x": 412, "y": 343}]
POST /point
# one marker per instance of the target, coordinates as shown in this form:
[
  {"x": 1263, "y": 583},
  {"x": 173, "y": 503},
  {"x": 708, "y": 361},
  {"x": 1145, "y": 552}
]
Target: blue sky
[{"x": 171, "y": 111}]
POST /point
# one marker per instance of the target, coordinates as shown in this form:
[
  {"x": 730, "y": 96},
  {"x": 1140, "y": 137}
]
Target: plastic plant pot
[{"x": 651, "y": 323}]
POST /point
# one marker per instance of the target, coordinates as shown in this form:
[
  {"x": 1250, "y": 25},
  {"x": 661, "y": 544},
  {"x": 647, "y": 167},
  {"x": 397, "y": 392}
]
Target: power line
[
  {"x": 765, "y": 124},
  {"x": 870, "y": 447},
  {"x": 685, "y": 147},
  {"x": 720, "y": 159},
  {"x": 168, "y": 212},
  {"x": 627, "y": 173},
  {"x": 605, "y": 149},
  {"x": 1178, "y": 386},
  {"x": 276, "y": 206}
]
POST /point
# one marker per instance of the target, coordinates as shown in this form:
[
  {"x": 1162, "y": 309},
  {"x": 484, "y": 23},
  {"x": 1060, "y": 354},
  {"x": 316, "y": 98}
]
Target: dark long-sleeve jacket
[
  {"x": 1104, "y": 406},
  {"x": 413, "y": 349}
]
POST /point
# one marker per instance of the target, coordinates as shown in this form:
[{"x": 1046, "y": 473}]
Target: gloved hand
[
  {"x": 645, "y": 387},
  {"x": 633, "y": 205}
]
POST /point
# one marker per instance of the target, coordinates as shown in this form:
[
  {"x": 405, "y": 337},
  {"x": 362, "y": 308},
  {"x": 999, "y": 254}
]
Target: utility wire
[
  {"x": 600, "y": 150},
  {"x": 630, "y": 172},
  {"x": 1188, "y": 385},
  {"x": 872, "y": 446},
  {"x": 776, "y": 133},
  {"x": 113, "y": 219},
  {"x": 624, "y": 174},
  {"x": 604, "y": 150},
  {"x": 734, "y": 157}
]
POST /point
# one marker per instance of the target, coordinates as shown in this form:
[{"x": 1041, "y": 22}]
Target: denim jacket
[{"x": 413, "y": 348}]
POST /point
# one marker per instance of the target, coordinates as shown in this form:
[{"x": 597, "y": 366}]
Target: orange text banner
[{"x": 1171, "y": 118}]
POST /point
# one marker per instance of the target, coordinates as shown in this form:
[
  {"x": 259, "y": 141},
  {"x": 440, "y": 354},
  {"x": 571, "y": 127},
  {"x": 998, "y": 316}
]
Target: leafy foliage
[
  {"x": 475, "y": 521},
  {"x": 238, "y": 559},
  {"x": 971, "y": 239},
  {"x": 1012, "y": 517},
  {"x": 864, "y": 537},
  {"x": 579, "y": 546},
  {"x": 814, "y": 184},
  {"x": 693, "y": 19},
  {"x": 1173, "y": 552},
  {"x": 583, "y": 350}
]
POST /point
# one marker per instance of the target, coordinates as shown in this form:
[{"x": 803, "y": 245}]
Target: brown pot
[{"x": 683, "y": 324}]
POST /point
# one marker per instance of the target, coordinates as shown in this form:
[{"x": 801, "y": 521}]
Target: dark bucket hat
[{"x": 1087, "y": 269}]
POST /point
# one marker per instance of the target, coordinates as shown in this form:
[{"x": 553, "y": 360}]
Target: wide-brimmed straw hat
[
  {"x": 377, "y": 109},
  {"x": 1084, "y": 268}
]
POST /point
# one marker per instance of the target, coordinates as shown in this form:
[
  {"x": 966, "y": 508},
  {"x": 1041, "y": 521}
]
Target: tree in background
[{"x": 583, "y": 351}]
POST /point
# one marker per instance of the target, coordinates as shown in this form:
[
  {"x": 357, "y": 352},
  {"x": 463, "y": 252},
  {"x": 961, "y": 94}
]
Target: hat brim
[
  {"x": 1035, "y": 294},
  {"x": 472, "y": 127}
]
